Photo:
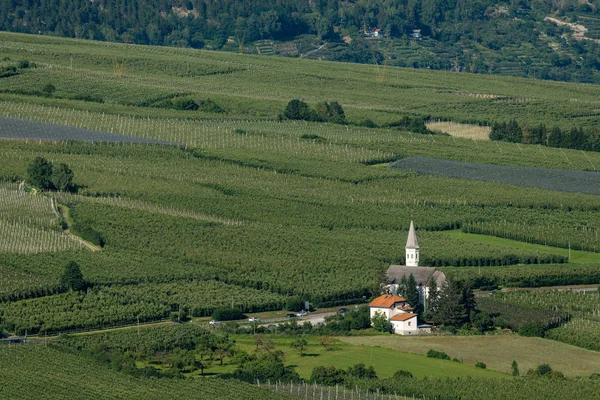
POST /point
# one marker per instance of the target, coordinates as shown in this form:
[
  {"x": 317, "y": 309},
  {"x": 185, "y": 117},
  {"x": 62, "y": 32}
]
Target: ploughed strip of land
[
  {"x": 13, "y": 128},
  {"x": 542, "y": 178}
]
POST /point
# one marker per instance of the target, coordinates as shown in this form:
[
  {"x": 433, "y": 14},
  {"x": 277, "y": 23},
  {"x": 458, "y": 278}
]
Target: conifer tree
[
  {"x": 72, "y": 278},
  {"x": 449, "y": 309},
  {"x": 412, "y": 292}
]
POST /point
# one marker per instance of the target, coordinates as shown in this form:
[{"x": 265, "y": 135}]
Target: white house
[{"x": 396, "y": 310}]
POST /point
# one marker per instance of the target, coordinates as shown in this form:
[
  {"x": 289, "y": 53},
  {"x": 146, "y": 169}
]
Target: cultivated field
[
  {"x": 36, "y": 371},
  {"x": 275, "y": 207},
  {"x": 541, "y": 178},
  {"x": 30, "y": 223},
  {"x": 497, "y": 352},
  {"x": 12, "y": 128},
  {"x": 464, "y": 131}
]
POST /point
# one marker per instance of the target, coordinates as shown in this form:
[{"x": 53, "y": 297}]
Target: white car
[
  {"x": 214, "y": 322},
  {"x": 301, "y": 313},
  {"x": 254, "y": 319}
]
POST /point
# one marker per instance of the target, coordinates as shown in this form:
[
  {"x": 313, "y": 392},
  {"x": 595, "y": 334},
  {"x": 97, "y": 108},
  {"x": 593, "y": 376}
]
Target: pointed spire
[{"x": 412, "y": 243}]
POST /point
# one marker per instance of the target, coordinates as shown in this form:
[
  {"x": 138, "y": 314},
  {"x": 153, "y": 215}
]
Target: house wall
[
  {"x": 385, "y": 311},
  {"x": 408, "y": 327}
]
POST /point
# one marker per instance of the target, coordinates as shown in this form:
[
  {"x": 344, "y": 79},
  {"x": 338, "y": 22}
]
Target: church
[{"x": 395, "y": 308}]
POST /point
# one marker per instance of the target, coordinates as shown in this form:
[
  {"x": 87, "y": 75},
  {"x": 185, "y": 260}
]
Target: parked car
[
  {"x": 301, "y": 314},
  {"x": 214, "y": 322},
  {"x": 291, "y": 315},
  {"x": 254, "y": 319},
  {"x": 343, "y": 310}
]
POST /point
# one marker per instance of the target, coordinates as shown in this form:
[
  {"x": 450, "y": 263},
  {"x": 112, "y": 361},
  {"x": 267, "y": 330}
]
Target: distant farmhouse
[{"x": 395, "y": 308}]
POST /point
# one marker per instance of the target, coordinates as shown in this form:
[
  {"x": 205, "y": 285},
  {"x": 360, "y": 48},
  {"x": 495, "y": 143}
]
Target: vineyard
[
  {"x": 12, "y": 128},
  {"x": 202, "y": 195},
  {"x": 570, "y": 181},
  {"x": 30, "y": 223},
  {"x": 27, "y": 371},
  {"x": 250, "y": 208},
  {"x": 574, "y": 316},
  {"x": 102, "y": 307}
]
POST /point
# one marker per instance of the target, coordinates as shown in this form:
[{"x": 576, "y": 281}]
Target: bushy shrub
[
  {"x": 183, "y": 103},
  {"x": 46, "y": 176},
  {"x": 368, "y": 123},
  {"x": 210, "y": 106},
  {"x": 545, "y": 370},
  {"x": 48, "y": 90},
  {"x": 480, "y": 365},
  {"x": 328, "y": 376},
  {"x": 268, "y": 367},
  {"x": 412, "y": 124},
  {"x": 437, "y": 354},
  {"x": 401, "y": 373},
  {"x": 360, "y": 371},
  {"x": 299, "y": 110},
  {"x": 381, "y": 323}
]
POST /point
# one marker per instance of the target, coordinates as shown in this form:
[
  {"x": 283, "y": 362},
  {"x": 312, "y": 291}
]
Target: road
[{"x": 314, "y": 319}]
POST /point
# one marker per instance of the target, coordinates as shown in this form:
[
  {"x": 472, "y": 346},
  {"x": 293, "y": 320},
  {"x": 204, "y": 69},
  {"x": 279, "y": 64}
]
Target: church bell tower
[{"x": 412, "y": 248}]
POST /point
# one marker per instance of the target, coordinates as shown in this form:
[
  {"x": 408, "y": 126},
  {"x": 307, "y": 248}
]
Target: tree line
[{"x": 575, "y": 138}]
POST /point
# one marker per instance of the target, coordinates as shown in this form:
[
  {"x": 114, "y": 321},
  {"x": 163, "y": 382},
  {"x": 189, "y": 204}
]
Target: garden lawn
[
  {"x": 497, "y": 352},
  {"x": 577, "y": 257}
]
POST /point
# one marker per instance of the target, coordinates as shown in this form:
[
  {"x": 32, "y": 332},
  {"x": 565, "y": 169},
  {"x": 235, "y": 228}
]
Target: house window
[{"x": 409, "y": 323}]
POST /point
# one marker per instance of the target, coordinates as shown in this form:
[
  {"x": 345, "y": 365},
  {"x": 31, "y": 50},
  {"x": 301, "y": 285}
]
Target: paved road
[{"x": 315, "y": 319}]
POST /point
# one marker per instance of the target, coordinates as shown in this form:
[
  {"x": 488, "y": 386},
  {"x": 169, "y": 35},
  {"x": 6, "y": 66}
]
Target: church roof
[
  {"x": 412, "y": 243},
  {"x": 403, "y": 317},
  {"x": 422, "y": 274},
  {"x": 386, "y": 301}
]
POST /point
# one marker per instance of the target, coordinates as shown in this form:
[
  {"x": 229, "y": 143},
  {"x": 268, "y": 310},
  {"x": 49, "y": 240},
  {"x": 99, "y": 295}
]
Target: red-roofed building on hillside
[{"x": 397, "y": 311}]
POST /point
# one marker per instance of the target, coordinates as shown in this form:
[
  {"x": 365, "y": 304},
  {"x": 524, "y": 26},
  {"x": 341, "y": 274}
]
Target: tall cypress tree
[
  {"x": 412, "y": 293},
  {"x": 555, "y": 137},
  {"x": 449, "y": 309},
  {"x": 431, "y": 298}
]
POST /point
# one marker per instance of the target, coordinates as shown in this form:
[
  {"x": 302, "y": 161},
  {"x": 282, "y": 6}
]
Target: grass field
[
  {"x": 464, "y": 131},
  {"x": 342, "y": 355},
  {"x": 576, "y": 257},
  {"x": 497, "y": 352}
]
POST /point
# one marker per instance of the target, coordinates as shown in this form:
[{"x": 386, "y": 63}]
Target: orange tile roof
[
  {"x": 386, "y": 301},
  {"x": 403, "y": 317}
]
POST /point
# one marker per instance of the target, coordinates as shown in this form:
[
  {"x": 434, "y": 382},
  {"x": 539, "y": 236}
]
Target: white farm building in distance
[{"x": 395, "y": 308}]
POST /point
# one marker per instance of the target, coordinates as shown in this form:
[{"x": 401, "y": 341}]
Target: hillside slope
[{"x": 529, "y": 38}]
